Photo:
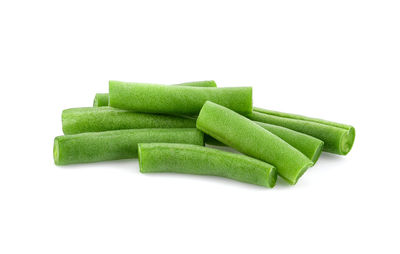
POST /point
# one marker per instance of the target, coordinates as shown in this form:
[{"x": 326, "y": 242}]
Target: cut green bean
[
  {"x": 308, "y": 145},
  {"x": 249, "y": 138},
  {"x": 115, "y": 145},
  {"x": 192, "y": 159},
  {"x": 79, "y": 120},
  {"x": 151, "y": 98},
  {"x": 338, "y": 138},
  {"x": 101, "y": 99},
  {"x": 300, "y": 117}
]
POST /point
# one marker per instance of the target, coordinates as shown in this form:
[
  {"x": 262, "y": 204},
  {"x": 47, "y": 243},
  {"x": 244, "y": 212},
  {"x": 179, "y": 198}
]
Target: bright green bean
[
  {"x": 308, "y": 145},
  {"x": 338, "y": 138},
  {"x": 101, "y": 99},
  {"x": 78, "y": 120},
  {"x": 115, "y": 145},
  {"x": 249, "y": 138},
  {"x": 150, "y": 98},
  {"x": 300, "y": 117},
  {"x": 192, "y": 159}
]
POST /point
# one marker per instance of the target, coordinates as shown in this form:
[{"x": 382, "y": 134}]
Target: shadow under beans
[
  {"x": 208, "y": 179},
  {"x": 282, "y": 184},
  {"x": 124, "y": 164},
  {"x": 132, "y": 165},
  {"x": 329, "y": 157}
]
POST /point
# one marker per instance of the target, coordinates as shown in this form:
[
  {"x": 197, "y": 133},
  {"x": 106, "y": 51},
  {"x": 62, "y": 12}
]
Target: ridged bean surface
[
  {"x": 193, "y": 159},
  {"x": 338, "y": 138},
  {"x": 249, "y": 138},
  {"x": 101, "y": 99},
  {"x": 185, "y": 100},
  {"x": 115, "y": 145},
  {"x": 93, "y": 119},
  {"x": 308, "y": 145}
]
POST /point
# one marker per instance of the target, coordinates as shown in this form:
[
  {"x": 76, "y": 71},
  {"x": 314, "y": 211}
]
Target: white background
[{"x": 338, "y": 60}]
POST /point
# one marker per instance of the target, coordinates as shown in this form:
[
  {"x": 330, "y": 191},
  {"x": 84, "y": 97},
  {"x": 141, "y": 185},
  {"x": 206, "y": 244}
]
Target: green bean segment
[
  {"x": 308, "y": 145},
  {"x": 338, "y": 138},
  {"x": 185, "y": 100},
  {"x": 92, "y": 119},
  {"x": 101, "y": 99},
  {"x": 115, "y": 145},
  {"x": 249, "y": 138},
  {"x": 192, "y": 159}
]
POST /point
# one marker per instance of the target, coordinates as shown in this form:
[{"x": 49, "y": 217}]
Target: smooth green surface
[
  {"x": 338, "y": 138},
  {"x": 308, "y": 145},
  {"x": 101, "y": 99},
  {"x": 115, "y": 145},
  {"x": 193, "y": 159},
  {"x": 151, "y": 98},
  {"x": 249, "y": 138},
  {"x": 94, "y": 119}
]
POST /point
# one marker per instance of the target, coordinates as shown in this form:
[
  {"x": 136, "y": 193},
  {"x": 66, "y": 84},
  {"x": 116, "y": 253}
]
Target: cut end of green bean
[
  {"x": 56, "y": 152},
  {"x": 250, "y": 138},
  {"x": 338, "y": 138},
  {"x": 317, "y": 153},
  {"x": 139, "y": 151},
  {"x": 294, "y": 179},
  {"x": 273, "y": 174},
  {"x": 212, "y": 83},
  {"x": 347, "y": 141},
  {"x": 301, "y": 172},
  {"x": 100, "y": 100}
]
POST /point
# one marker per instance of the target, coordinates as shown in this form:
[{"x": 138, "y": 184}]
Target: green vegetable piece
[
  {"x": 308, "y": 145},
  {"x": 151, "y": 98},
  {"x": 115, "y": 145},
  {"x": 249, "y": 138},
  {"x": 192, "y": 159},
  {"x": 338, "y": 138},
  {"x": 101, "y": 99},
  {"x": 78, "y": 120}
]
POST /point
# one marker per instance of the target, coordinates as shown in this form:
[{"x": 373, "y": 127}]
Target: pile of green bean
[{"x": 167, "y": 127}]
